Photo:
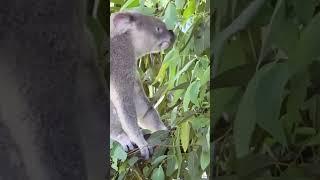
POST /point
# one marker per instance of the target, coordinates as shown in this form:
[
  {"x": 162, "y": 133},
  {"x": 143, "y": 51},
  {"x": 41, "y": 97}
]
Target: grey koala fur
[
  {"x": 132, "y": 36},
  {"x": 53, "y": 115}
]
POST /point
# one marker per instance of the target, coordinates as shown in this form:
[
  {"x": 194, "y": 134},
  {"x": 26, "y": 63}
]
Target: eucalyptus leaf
[
  {"x": 185, "y": 135},
  {"x": 158, "y": 174}
]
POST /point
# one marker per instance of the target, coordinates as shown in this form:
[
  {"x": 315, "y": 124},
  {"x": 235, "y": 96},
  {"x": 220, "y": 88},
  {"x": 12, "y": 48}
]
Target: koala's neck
[{"x": 124, "y": 44}]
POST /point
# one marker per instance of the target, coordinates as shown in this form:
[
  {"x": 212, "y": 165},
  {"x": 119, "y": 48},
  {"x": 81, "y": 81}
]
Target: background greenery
[
  {"x": 266, "y": 86},
  {"x": 177, "y": 82}
]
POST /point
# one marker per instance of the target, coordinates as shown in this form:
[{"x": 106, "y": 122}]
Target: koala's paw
[
  {"x": 146, "y": 151},
  {"x": 125, "y": 142}
]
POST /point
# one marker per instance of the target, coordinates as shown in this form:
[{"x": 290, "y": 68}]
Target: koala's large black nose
[{"x": 172, "y": 36}]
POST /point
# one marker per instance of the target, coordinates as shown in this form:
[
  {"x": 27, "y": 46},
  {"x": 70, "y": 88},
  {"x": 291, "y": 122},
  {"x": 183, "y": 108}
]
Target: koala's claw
[
  {"x": 125, "y": 142},
  {"x": 127, "y": 146},
  {"x": 146, "y": 152}
]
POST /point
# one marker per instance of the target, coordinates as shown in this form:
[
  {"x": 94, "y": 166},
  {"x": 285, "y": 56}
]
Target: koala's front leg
[
  {"x": 148, "y": 117},
  {"x": 122, "y": 97}
]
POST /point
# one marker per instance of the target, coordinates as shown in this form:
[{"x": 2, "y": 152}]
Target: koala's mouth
[{"x": 164, "y": 45}]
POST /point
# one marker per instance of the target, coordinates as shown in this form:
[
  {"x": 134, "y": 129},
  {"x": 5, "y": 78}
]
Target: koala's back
[{"x": 41, "y": 48}]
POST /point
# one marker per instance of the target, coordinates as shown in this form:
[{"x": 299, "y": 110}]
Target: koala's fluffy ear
[{"x": 122, "y": 22}]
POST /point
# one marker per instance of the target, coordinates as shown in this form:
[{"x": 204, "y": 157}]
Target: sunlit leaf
[
  {"x": 190, "y": 9},
  {"x": 184, "y": 135},
  {"x": 130, "y": 4}
]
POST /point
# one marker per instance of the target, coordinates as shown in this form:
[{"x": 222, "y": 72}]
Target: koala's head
[{"x": 148, "y": 34}]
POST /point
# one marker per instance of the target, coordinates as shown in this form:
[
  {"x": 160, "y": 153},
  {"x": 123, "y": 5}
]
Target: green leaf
[
  {"x": 158, "y": 174},
  {"x": 304, "y": 10},
  {"x": 144, "y": 10},
  {"x": 261, "y": 104},
  {"x": 120, "y": 154},
  {"x": 130, "y": 4},
  {"x": 184, "y": 135},
  {"x": 298, "y": 91},
  {"x": 237, "y": 25},
  {"x": 197, "y": 70},
  {"x": 205, "y": 77},
  {"x": 191, "y": 94},
  {"x": 121, "y": 175},
  {"x": 120, "y": 2},
  {"x": 311, "y": 169},
  {"x": 314, "y": 141},
  {"x": 201, "y": 42},
  {"x": 204, "y": 159},
  {"x": 185, "y": 68},
  {"x": 190, "y": 9},
  {"x": 252, "y": 163},
  {"x": 117, "y": 153},
  {"x": 222, "y": 97},
  {"x": 283, "y": 33},
  {"x": 237, "y": 76},
  {"x": 163, "y": 3},
  {"x": 178, "y": 153},
  {"x": 201, "y": 70},
  {"x": 158, "y": 160},
  {"x": 279, "y": 8},
  {"x": 245, "y": 120},
  {"x": 172, "y": 72},
  {"x": 171, "y": 58},
  {"x": 306, "y": 131},
  {"x": 194, "y": 92},
  {"x": 180, "y": 3},
  {"x": 200, "y": 122},
  {"x": 171, "y": 165},
  {"x": 177, "y": 94},
  {"x": 133, "y": 160},
  {"x": 170, "y": 16},
  {"x": 294, "y": 172},
  {"x": 307, "y": 48},
  {"x": 173, "y": 116},
  {"x": 158, "y": 137},
  {"x": 184, "y": 85},
  {"x": 268, "y": 100},
  {"x": 208, "y": 140},
  {"x": 186, "y": 99},
  {"x": 146, "y": 171},
  {"x": 194, "y": 165},
  {"x": 232, "y": 55},
  {"x": 312, "y": 105}
]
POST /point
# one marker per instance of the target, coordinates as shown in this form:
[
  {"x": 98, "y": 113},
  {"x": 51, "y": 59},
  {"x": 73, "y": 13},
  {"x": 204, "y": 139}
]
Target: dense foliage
[
  {"x": 266, "y": 87},
  {"x": 177, "y": 82}
]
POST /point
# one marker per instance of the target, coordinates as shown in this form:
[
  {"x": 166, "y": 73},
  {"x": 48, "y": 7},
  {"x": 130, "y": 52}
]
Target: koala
[
  {"x": 133, "y": 35},
  {"x": 53, "y": 115}
]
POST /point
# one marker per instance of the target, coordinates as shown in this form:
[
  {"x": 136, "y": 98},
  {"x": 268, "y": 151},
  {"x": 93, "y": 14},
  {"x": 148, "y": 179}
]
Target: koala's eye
[{"x": 158, "y": 29}]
